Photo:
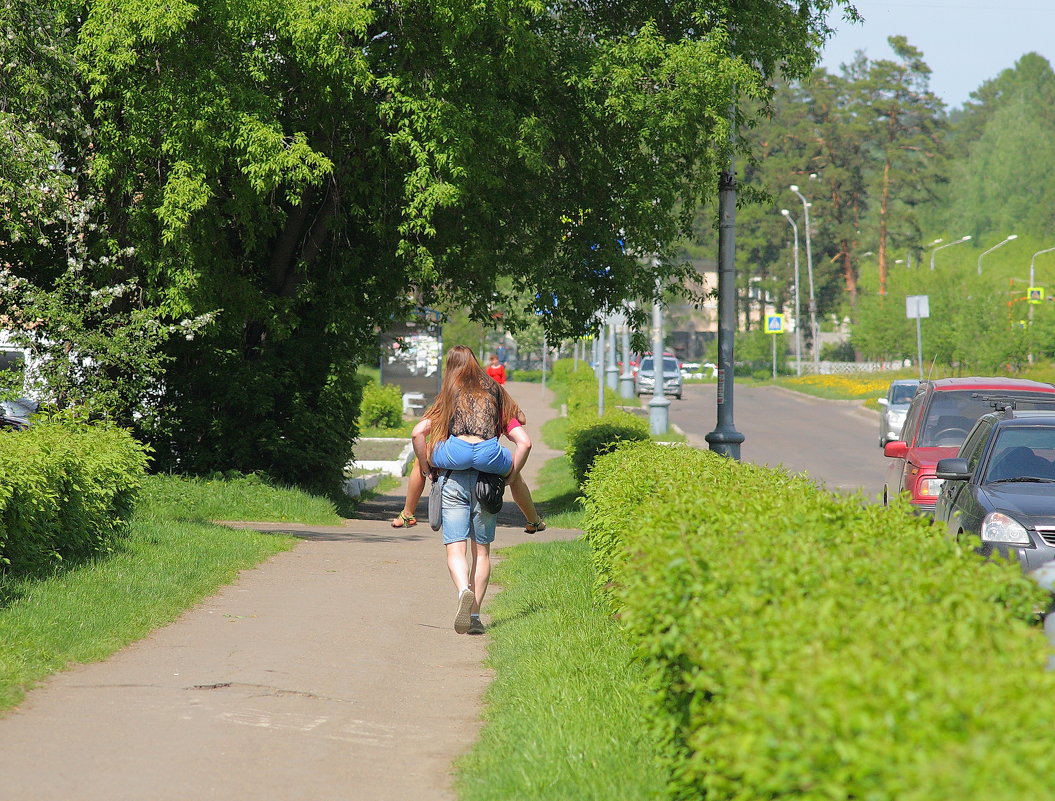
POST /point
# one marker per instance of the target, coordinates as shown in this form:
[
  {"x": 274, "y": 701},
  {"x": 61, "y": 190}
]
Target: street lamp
[
  {"x": 946, "y": 245},
  {"x": 1046, "y": 250},
  {"x": 1032, "y": 283},
  {"x": 798, "y": 317},
  {"x": 994, "y": 247},
  {"x": 809, "y": 273}
]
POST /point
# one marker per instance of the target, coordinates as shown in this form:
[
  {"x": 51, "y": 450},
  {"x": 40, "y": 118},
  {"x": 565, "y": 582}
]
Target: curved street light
[
  {"x": 994, "y": 247},
  {"x": 1032, "y": 284},
  {"x": 947, "y": 245},
  {"x": 798, "y": 316},
  {"x": 1046, "y": 250},
  {"x": 809, "y": 273}
]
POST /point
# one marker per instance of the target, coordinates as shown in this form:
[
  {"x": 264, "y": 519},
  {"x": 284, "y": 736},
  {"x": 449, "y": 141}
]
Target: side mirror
[
  {"x": 953, "y": 469},
  {"x": 883, "y": 401},
  {"x": 896, "y": 449}
]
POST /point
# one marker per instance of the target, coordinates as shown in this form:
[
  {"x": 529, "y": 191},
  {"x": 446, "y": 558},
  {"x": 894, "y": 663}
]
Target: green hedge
[
  {"x": 588, "y": 434},
  {"x": 67, "y": 491},
  {"x": 530, "y": 376},
  {"x": 803, "y": 645},
  {"x": 381, "y": 407},
  {"x": 590, "y": 437}
]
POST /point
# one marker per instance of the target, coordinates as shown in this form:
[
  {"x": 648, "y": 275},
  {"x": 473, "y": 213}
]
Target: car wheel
[{"x": 678, "y": 396}]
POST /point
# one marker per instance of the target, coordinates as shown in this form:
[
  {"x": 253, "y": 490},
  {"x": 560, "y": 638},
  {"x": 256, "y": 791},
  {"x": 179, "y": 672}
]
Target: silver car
[
  {"x": 895, "y": 407},
  {"x": 645, "y": 381}
]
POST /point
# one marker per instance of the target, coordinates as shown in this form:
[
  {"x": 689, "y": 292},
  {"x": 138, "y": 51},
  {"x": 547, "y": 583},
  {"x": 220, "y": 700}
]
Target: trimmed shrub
[
  {"x": 578, "y": 389},
  {"x": 803, "y": 645},
  {"x": 381, "y": 407},
  {"x": 531, "y": 376},
  {"x": 588, "y": 438},
  {"x": 67, "y": 491}
]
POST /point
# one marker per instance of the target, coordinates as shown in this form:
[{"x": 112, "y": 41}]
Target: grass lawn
[
  {"x": 557, "y": 494},
  {"x": 564, "y": 717},
  {"x": 171, "y": 559}
]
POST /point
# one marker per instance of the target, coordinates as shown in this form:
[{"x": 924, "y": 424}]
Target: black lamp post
[{"x": 725, "y": 439}]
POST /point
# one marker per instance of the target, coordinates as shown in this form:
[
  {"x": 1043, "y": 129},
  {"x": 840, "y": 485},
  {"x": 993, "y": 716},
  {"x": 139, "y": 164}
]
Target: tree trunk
[
  {"x": 884, "y": 203},
  {"x": 849, "y": 274}
]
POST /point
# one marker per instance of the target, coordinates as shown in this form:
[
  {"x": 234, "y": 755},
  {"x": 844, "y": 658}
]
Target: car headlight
[
  {"x": 930, "y": 487},
  {"x": 998, "y": 527}
]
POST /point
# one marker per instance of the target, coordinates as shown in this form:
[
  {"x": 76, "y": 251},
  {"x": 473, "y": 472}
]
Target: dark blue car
[{"x": 1000, "y": 487}]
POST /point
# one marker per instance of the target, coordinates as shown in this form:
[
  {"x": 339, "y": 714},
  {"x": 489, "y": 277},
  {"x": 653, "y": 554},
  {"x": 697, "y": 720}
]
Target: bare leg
[
  {"x": 458, "y": 565},
  {"x": 481, "y": 573},
  {"x": 415, "y": 487},
  {"x": 518, "y": 488}
]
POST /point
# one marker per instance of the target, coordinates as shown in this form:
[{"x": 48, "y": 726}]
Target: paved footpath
[{"x": 330, "y": 672}]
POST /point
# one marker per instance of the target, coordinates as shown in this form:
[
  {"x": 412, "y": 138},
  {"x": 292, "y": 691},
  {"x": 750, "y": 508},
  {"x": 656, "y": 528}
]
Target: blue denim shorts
[
  {"x": 463, "y": 517},
  {"x": 487, "y": 456}
]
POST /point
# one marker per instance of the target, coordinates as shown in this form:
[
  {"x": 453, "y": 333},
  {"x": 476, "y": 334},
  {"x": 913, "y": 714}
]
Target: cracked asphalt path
[{"x": 330, "y": 672}]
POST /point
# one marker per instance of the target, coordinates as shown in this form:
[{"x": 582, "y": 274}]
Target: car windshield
[
  {"x": 669, "y": 365},
  {"x": 1022, "y": 452},
  {"x": 902, "y": 393},
  {"x": 952, "y": 414}
]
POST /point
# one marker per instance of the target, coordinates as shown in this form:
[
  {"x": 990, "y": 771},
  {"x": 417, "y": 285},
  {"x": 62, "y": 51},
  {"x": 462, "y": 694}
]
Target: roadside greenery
[
  {"x": 857, "y": 386},
  {"x": 171, "y": 558},
  {"x": 803, "y": 644},
  {"x": 67, "y": 491},
  {"x": 565, "y": 716},
  {"x": 381, "y": 406}
]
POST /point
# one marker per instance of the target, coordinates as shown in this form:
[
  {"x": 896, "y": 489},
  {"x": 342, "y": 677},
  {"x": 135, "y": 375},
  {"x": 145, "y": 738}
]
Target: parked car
[
  {"x": 645, "y": 380},
  {"x": 941, "y": 414},
  {"x": 895, "y": 408},
  {"x": 1000, "y": 486},
  {"x": 16, "y": 413}
]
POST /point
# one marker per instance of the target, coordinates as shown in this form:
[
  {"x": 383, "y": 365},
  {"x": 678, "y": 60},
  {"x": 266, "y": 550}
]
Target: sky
[{"x": 965, "y": 43}]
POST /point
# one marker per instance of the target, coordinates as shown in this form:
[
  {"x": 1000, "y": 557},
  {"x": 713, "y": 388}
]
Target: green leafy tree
[
  {"x": 906, "y": 124},
  {"x": 67, "y": 297},
  {"x": 299, "y": 173},
  {"x": 882, "y": 331},
  {"x": 1004, "y": 178}
]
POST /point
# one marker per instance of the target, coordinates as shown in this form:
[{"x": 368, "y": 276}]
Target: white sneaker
[{"x": 465, "y": 608}]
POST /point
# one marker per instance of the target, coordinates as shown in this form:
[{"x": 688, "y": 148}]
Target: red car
[{"x": 941, "y": 414}]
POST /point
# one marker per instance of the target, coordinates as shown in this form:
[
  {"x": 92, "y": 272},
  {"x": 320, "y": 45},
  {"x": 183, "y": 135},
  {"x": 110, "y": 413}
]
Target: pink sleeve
[{"x": 513, "y": 423}]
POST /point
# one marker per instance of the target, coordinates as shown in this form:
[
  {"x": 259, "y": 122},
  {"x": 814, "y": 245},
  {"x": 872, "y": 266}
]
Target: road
[{"x": 835, "y": 442}]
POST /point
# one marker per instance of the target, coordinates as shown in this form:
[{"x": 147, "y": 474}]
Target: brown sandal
[
  {"x": 404, "y": 521},
  {"x": 537, "y": 526}
]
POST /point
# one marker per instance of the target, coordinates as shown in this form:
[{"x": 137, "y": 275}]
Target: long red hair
[{"x": 462, "y": 373}]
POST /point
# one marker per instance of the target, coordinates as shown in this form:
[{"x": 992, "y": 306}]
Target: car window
[
  {"x": 915, "y": 411},
  {"x": 974, "y": 446},
  {"x": 1022, "y": 451},
  {"x": 670, "y": 366},
  {"x": 952, "y": 414},
  {"x": 646, "y": 363},
  {"x": 902, "y": 393}
]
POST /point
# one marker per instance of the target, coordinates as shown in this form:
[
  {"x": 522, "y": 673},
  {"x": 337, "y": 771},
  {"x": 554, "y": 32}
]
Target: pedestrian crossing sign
[
  {"x": 774, "y": 323},
  {"x": 1035, "y": 294}
]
